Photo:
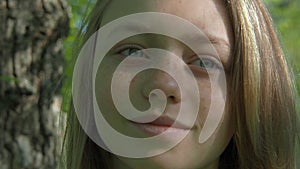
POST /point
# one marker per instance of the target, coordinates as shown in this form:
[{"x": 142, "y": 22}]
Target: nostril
[
  {"x": 165, "y": 83},
  {"x": 172, "y": 97}
]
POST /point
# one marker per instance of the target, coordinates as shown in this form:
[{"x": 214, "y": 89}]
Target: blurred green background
[{"x": 285, "y": 14}]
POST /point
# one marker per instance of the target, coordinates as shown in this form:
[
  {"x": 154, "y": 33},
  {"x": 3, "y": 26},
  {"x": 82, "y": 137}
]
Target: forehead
[
  {"x": 193, "y": 10},
  {"x": 210, "y": 16}
]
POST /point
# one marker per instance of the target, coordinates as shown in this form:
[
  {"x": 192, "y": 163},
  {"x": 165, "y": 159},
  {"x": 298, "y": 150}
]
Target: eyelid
[
  {"x": 209, "y": 57},
  {"x": 121, "y": 47}
]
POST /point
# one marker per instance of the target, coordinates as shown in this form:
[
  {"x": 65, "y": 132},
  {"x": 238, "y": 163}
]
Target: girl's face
[{"x": 211, "y": 17}]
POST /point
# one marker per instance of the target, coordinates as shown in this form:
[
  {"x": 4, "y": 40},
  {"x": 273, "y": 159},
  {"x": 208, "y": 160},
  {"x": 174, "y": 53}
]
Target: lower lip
[{"x": 153, "y": 130}]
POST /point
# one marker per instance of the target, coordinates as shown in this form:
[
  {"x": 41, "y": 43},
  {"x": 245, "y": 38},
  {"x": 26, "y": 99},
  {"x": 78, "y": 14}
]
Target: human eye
[
  {"x": 131, "y": 50},
  {"x": 206, "y": 62}
]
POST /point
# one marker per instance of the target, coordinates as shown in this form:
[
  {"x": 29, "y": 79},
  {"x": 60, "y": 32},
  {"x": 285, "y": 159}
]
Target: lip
[{"x": 162, "y": 124}]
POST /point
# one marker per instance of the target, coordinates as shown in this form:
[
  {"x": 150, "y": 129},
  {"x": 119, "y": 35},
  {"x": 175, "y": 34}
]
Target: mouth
[{"x": 162, "y": 124}]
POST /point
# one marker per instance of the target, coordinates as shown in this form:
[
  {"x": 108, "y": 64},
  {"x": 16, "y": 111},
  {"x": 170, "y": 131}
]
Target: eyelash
[
  {"x": 197, "y": 58},
  {"x": 206, "y": 58},
  {"x": 123, "y": 48}
]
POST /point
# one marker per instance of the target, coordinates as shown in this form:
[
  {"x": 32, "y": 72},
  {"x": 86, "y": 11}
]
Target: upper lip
[{"x": 167, "y": 121}]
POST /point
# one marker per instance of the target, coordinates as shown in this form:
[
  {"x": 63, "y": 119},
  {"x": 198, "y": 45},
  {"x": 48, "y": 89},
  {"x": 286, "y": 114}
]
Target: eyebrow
[
  {"x": 131, "y": 27},
  {"x": 207, "y": 38},
  {"x": 138, "y": 28},
  {"x": 217, "y": 41}
]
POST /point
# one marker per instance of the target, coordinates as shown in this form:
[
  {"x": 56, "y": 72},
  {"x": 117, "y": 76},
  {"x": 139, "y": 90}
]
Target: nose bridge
[{"x": 163, "y": 80}]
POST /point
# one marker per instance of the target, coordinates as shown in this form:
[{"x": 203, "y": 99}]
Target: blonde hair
[
  {"x": 267, "y": 122},
  {"x": 262, "y": 98}
]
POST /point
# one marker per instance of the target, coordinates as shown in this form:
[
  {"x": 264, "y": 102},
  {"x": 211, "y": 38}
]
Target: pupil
[
  {"x": 132, "y": 51},
  {"x": 202, "y": 64}
]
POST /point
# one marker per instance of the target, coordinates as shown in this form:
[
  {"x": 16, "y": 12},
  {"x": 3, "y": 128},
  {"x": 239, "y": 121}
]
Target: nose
[{"x": 159, "y": 79}]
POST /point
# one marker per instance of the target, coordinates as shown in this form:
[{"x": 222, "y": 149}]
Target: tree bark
[{"x": 31, "y": 68}]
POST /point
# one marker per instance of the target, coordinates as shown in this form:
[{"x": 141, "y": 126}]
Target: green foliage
[
  {"x": 9, "y": 79},
  {"x": 79, "y": 10}
]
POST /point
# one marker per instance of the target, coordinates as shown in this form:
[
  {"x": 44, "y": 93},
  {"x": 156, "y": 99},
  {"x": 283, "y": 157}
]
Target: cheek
[
  {"x": 103, "y": 91},
  {"x": 213, "y": 103},
  {"x": 205, "y": 100}
]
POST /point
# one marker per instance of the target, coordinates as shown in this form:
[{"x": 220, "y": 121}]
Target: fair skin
[{"x": 210, "y": 17}]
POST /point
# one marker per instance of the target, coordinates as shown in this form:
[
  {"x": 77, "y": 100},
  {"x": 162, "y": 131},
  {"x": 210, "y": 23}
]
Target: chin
[{"x": 186, "y": 155}]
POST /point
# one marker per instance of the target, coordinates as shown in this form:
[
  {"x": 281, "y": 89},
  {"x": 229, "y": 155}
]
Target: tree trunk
[{"x": 31, "y": 68}]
